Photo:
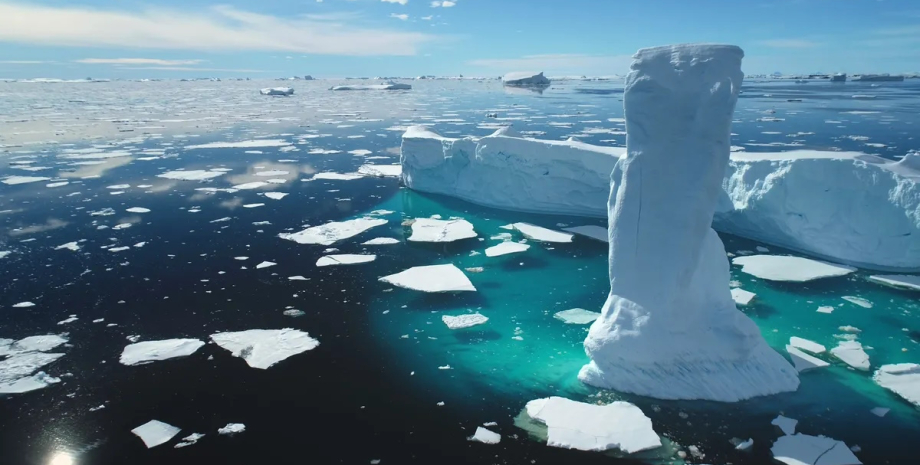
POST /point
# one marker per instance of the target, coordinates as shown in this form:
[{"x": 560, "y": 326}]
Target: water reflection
[{"x": 61, "y": 458}]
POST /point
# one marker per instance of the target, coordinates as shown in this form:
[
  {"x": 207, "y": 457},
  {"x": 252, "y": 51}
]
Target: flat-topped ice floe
[
  {"x": 381, "y": 241},
  {"x": 670, "y": 328},
  {"x": 330, "y": 233},
  {"x": 742, "y": 297},
  {"x": 14, "y": 180},
  {"x": 464, "y": 321},
  {"x": 433, "y": 278},
  {"x": 432, "y": 230},
  {"x": 788, "y": 268},
  {"x": 154, "y": 351},
  {"x": 541, "y": 234},
  {"x": 590, "y": 427},
  {"x": 345, "y": 259},
  {"x": 506, "y": 248},
  {"x": 231, "y": 429},
  {"x": 803, "y": 361},
  {"x": 902, "y": 379},
  {"x": 485, "y": 436},
  {"x": 852, "y": 353},
  {"x": 155, "y": 432},
  {"x": 900, "y": 281},
  {"x": 525, "y": 79},
  {"x": 802, "y": 449},
  {"x": 262, "y": 348},
  {"x": 277, "y": 91},
  {"x": 388, "y": 86},
  {"x": 191, "y": 175},
  {"x": 381, "y": 171},
  {"x": 577, "y": 316}
]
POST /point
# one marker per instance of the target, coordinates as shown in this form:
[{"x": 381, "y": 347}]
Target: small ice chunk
[
  {"x": 742, "y": 297},
  {"x": 345, "y": 259},
  {"x": 434, "y": 278},
  {"x": 250, "y": 185},
  {"x": 852, "y": 353},
  {"x": 805, "y": 344},
  {"x": 74, "y": 246},
  {"x": 253, "y": 205},
  {"x": 745, "y": 445},
  {"x": 277, "y": 91},
  {"x": 275, "y": 195},
  {"x": 803, "y": 361},
  {"x": 593, "y": 232},
  {"x": 294, "y": 313},
  {"x": 265, "y": 265},
  {"x": 802, "y": 449},
  {"x": 589, "y": 427},
  {"x": 154, "y": 433},
  {"x": 506, "y": 248},
  {"x": 23, "y": 305},
  {"x": 825, "y": 309},
  {"x": 577, "y": 316},
  {"x": 880, "y": 411},
  {"x": 189, "y": 440},
  {"x": 381, "y": 241},
  {"x": 154, "y": 351},
  {"x": 272, "y": 173},
  {"x": 538, "y": 233},
  {"x": 786, "y": 425},
  {"x": 786, "y": 268},
  {"x": 432, "y": 230},
  {"x": 333, "y": 232},
  {"x": 262, "y": 348},
  {"x": 68, "y": 320},
  {"x": 485, "y": 436},
  {"x": 464, "y": 321},
  {"x": 857, "y": 301},
  {"x": 232, "y": 428},
  {"x": 901, "y": 281},
  {"x": 297, "y": 278},
  {"x": 138, "y": 210},
  {"x": 902, "y": 379},
  {"x": 337, "y": 176}
]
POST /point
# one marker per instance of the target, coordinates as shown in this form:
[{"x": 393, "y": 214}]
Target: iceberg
[
  {"x": 262, "y": 348},
  {"x": 345, "y": 259},
  {"x": 525, "y": 79},
  {"x": 332, "y": 232},
  {"x": 153, "y": 351},
  {"x": 902, "y": 379},
  {"x": 390, "y": 85},
  {"x": 803, "y": 361},
  {"x": 803, "y": 449},
  {"x": 433, "y": 278},
  {"x": 154, "y": 433},
  {"x": 278, "y": 91},
  {"x": 433, "y": 230},
  {"x": 590, "y": 427},
  {"x": 787, "y": 268},
  {"x": 668, "y": 269}
]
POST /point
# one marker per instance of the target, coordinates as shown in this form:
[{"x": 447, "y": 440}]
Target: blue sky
[{"x": 337, "y": 38}]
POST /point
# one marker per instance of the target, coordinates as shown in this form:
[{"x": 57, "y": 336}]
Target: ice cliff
[
  {"x": 670, "y": 328},
  {"x": 846, "y": 207}
]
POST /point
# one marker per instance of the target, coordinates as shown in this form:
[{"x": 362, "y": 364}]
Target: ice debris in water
[
  {"x": 464, "y": 321},
  {"x": 577, "y": 316},
  {"x": 138, "y": 210},
  {"x": 902, "y": 281},
  {"x": 240, "y": 144},
  {"x": 902, "y": 379},
  {"x": 277, "y": 91},
  {"x": 805, "y": 344},
  {"x": 787, "y": 268},
  {"x": 265, "y": 265},
  {"x": 381, "y": 171},
  {"x": 154, "y": 433},
  {"x": 191, "y": 175},
  {"x": 506, "y": 248},
  {"x": 485, "y": 436},
  {"x": 275, "y": 195},
  {"x": 24, "y": 358},
  {"x": 262, "y": 348},
  {"x": 432, "y": 230},
  {"x": 589, "y": 427},
  {"x": 189, "y": 440},
  {"x": 785, "y": 424},
  {"x": 14, "y": 180},
  {"x": 153, "y": 351},
  {"x": 333, "y": 232},
  {"x": 433, "y": 278},
  {"x": 541, "y": 234},
  {"x": 857, "y": 301},
  {"x": 852, "y": 353},
  {"x": 232, "y": 428},
  {"x": 802, "y": 449},
  {"x": 24, "y": 305},
  {"x": 345, "y": 259},
  {"x": 803, "y": 361},
  {"x": 742, "y": 297},
  {"x": 73, "y": 246}
]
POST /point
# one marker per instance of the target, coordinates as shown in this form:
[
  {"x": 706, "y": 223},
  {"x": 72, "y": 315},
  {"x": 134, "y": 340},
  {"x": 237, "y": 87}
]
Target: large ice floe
[
  {"x": 153, "y": 351},
  {"x": 433, "y": 230},
  {"x": 262, "y": 348},
  {"x": 589, "y": 427},
  {"x": 19, "y": 370},
  {"x": 433, "y": 278},
  {"x": 788, "y": 268},
  {"x": 333, "y": 232},
  {"x": 802, "y": 449},
  {"x": 902, "y": 379},
  {"x": 668, "y": 269},
  {"x": 155, "y": 433}
]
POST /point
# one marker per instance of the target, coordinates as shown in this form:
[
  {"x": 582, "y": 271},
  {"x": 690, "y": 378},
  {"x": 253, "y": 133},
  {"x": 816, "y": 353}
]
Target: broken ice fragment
[
  {"x": 598, "y": 233},
  {"x": 786, "y": 425},
  {"x": 464, "y": 321},
  {"x": 333, "y": 232},
  {"x": 265, "y": 265},
  {"x": 485, "y": 436},
  {"x": 345, "y": 259},
  {"x": 506, "y": 248},
  {"x": 381, "y": 241},
  {"x": 911, "y": 282},
  {"x": 803, "y": 361},
  {"x": 742, "y": 297},
  {"x": 191, "y": 175},
  {"x": 74, "y": 246},
  {"x": 852, "y": 353},
  {"x": 153, "y": 351},
  {"x": 577, "y": 316},
  {"x": 275, "y": 195},
  {"x": 138, "y": 210},
  {"x": 857, "y": 301},
  {"x": 262, "y": 348},
  {"x": 154, "y": 433},
  {"x": 434, "y": 278},
  {"x": 902, "y": 379},
  {"x": 189, "y": 440},
  {"x": 785, "y": 268},
  {"x": 23, "y": 305},
  {"x": 589, "y": 427},
  {"x": 538, "y": 233},
  {"x": 232, "y": 428},
  {"x": 802, "y": 449},
  {"x": 805, "y": 344},
  {"x": 432, "y": 230}
]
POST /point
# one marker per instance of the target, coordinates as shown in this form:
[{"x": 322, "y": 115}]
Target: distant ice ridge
[
  {"x": 278, "y": 91},
  {"x": 525, "y": 79},
  {"x": 390, "y": 85},
  {"x": 670, "y": 328},
  {"x": 846, "y": 207}
]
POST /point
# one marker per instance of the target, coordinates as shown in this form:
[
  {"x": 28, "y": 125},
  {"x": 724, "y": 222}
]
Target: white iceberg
[
  {"x": 506, "y": 248},
  {"x": 787, "y": 268},
  {"x": 525, "y": 79},
  {"x": 802, "y": 449},
  {"x": 742, "y": 297},
  {"x": 262, "y": 348},
  {"x": 275, "y": 195},
  {"x": 330, "y": 233},
  {"x": 433, "y": 278},
  {"x": 598, "y": 233},
  {"x": 390, "y": 85},
  {"x": 231, "y": 429},
  {"x": 485, "y": 436},
  {"x": 154, "y": 351},
  {"x": 432, "y": 230},
  {"x": 277, "y": 91},
  {"x": 464, "y": 321},
  {"x": 669, "y": 328},
  {"x": 577, "y": 316},
  {"x": 189, "y": 440},
  {"x": 902, "y": 379},
  {"x": 73, "y": 246},
  {"x": 154, "y": 433},
  {"x": 265, "y": 265},
  {"x": 590, "y": 427},
  {"x": 852, "y": 353},
  {"x": 345, "y": 259},
  {"x": 191, "y": 175},
  {"x": 902, "y": 281},
  {"x": 538, "y": 233}
]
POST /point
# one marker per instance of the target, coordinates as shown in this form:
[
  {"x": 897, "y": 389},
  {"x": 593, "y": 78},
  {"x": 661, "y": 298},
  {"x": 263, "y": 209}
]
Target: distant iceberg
[
  {"x": 282, "y": 91},
  {"x": 390, "y": 85},
  {"x": 525, "y": 79}
]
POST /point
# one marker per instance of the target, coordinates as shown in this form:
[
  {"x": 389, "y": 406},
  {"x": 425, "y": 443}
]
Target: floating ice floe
[
  {"x": 785, "y": 424},
  {"x": 337, "y": 176},
  {"x": 541, "y": 234},
  {"x": 275, "y": 195},
  {"x": 265, "y": 265},
  {"x": 590, "y": 231},
  {"x": 277, "y": 91},
  {"x": 901, "y": 281},
  {"x": 577, "y": 316},
  {"x": 191, "y": 175},
  {"x": 857, "y": 301},
  {"x": 31, "y": 344},
  {"x": 802, "y": 449},
  {"x": 787, "y": 268},
  {"x": 232, "y": 428},
  {"x": 433, "y": 230},
  {"x": 69, "y": 320},
  {"x": 381, "y": 241},
  {"x": 381, "y": 171},
  {"x": 803, "y": 361},
  {"x": 805, "y": 344},
  {"x": 138, "y": 210},
  {"x": 253, "y": 205},
  {"x": 4, "y": 253},
  {"x": 485, "y": 436},
  {"x": 742, "y": 297},
  {"x": 14, "y": 180},
  {"x": 250, "y": 185},
  {"x": 880, "y": 411},
  {"x": 345, "y": 259},
  {"x": 902, "y": 379},
  {"x": 464, "y": 321},
  {"x": 189, "y": 440},
  {"x": 154, "y": 351},
  {"x": 24, "y": 358},
  {"x": 506, "y": 248},
  {"x": 390, "y": 85},
  {"x": 154, "y": 433},
  {"x": 23, "y": 305},
  {"x": 262, "y": 348},
  {"x": 245, "y": 144},
  {"x": 525, "y": 79},
  {"x": 589, "y": 427},
  {"x": 74, "y": 246},
  {"x": 852, "y": 353},
  {"x": 333, "y": 232},
  {"x": 272, "y": 173},
  {"x": 433, "y": 278}
]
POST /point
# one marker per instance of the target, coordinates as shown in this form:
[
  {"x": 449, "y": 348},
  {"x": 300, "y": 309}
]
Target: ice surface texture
[{"x": 670, "y": 328}]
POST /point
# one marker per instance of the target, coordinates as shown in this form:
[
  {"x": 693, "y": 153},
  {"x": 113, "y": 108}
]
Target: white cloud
[
  {"x": 789, "y": 43},
  {"x": 443, "y": 4},
  {"x": 427, "y": 18},
  {"x": 137, "y": 61},
  {"x": 219, "y": 28},
  {"x": 559, "y": 64},
  {"x": 402, "y": 16},
  {"x": 401, "y": 2}
]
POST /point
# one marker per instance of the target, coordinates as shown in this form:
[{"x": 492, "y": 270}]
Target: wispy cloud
[
  {"x": 789, "y": 43},
  {"x": 443, "y": 4},
  {"x": 401, "y": 16},
  {"x": 401, "y": 2},
  {"x": 137, "y": 61},
  {"x": 559, "y": 63},
  {"x": 24, "y": 62},
  {"x": 219, "y": 28}
]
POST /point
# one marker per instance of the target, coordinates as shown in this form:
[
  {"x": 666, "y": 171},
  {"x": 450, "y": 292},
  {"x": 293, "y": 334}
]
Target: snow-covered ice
[
  {"x": 485, "y": 436},
  {"x": 903, "y": 281},
  {"x": 590, "y": 427},
  {"x": 902, "y": 379},
  {"x": 232, "y": 428},
  {"x": 15, "y": 180},
  {"x": 265, "y": 265},
  {"x": 24, "y": 304},
  {"x": 432, "y": 278},
  {"x": 857, "y": 301},
  {"x": 345, "y": 259},
  {"x": 155, "y": 432},
  {"x": 742, "y": 297},
  {"x": 802, "y": 449},
  {"x": 275, "y": 195},
  {"x": 337, "y": 176},
  {"x": 668, "y": 269},
  {"x": 381, "y": 241},
  {"x": 262, "y": 348},
  {"x": 852, "y": 353},
  {"x": 506, "y": 248},
  {"x": 788, "y": 268},
  {"x": 74, "y": 246},
  {"x": 333, "y": 232},
  {"x": 189, "y": 440},
  {"x": 154, "y": 351},
  {"x": 381, "y": 171},
  {"x": 245, "y": 144},
  {"x": 137, "y": 210},
  {"x": 577, "y": 316},
  {"x": 277, "y": 91},
  {"x": 191, "y": 175},
  {"x": 541, "y": 234},
  {"x": 433, "y": 230},
  {"x": 464, "y": 321}
]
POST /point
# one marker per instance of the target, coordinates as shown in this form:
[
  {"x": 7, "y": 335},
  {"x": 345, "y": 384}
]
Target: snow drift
[{"x": 668, "y": 270}]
